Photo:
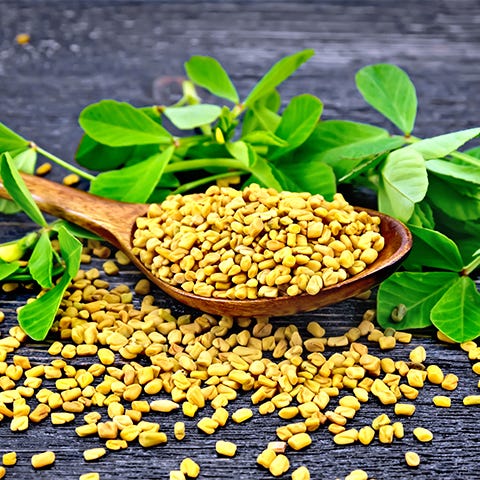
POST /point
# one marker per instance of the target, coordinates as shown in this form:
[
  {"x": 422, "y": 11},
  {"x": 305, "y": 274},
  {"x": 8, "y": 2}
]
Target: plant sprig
[{"x": 427, "y": 183}]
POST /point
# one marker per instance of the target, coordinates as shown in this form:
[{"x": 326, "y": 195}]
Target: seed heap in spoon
[{"x": 255, "y": 242}]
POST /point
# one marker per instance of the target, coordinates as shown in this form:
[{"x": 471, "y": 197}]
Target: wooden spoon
[{"x": 115, "y": 222}]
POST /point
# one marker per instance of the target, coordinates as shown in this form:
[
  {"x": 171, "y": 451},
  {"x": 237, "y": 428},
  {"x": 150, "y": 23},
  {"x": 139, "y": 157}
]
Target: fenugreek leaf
[
  {"x": 263, "y": 171},
  {"x": 250, "y": 123},
  {"x": 297, "y": 122},
  {"x": 455, "y": 172},
  {"x": 422, "y": 216},
  {"x": 17, "y": 189},
  {"x": 40, "y": 262},
  {"x": 417, "y": 291},
  {"x": 403, "y": 182},
  {"x": 460, "y": 303},
  {"x": 433, "y": 249},
  {"x": 474, "y": 152},
  {"x": 208, "y": 73},
  {"x": 37, "y": 317},
  {"x": 134, "y": 183},
  {"x": 454, "y": 202},
  {"x": 6, "y": 269},
  {"x": 388, "y": 89},
  {"x": 9, "y": 140},
  {"x": 192, "y": 116},
  {"x": 119, "y": 124},
  {"x": 277, "y": 74},
  {"x": 264, "y": 137},
  {"x": 73, "y": 229},
  {"x": 443, "y": 145},
  {"x": 266, "y": 118}
]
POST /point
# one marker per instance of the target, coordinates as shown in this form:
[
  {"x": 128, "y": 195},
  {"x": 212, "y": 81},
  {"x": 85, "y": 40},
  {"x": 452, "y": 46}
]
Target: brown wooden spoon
[{"x": 115, "y": 222}]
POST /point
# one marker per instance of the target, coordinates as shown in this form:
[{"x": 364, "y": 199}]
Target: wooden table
[{"x": 81, "y": 52}]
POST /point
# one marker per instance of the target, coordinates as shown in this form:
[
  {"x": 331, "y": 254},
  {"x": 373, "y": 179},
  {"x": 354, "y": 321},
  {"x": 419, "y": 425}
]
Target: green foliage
[{"x": 427, "y": 183}]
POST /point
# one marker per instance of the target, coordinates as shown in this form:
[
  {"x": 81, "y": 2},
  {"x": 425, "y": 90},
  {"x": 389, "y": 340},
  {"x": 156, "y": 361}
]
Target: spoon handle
[{"x": 110, "y": 219}]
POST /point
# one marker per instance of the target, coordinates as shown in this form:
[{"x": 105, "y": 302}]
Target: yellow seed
[
  {"x": 435, "y": 374},
  {"x": 418, "y": 355},
  {"x": 190, "y": 468},
  {"x": 299, "y": 441},
  {"x": 266, "y": 457},
  {"x": 207, "y": 425},
  {"x": 3, "y": 472},
  {"x": 385, "y": 434},
  {"x": 71, "y": 180},
  {"x": 381, "y": 420},
  {"x": 179, "y": 430},
  {"x": 423, "y": 434},
  {"x": 366, "y": 435},
  {"x": 404, "y": 409},
  {"x": 227, "y": 449},
  {"x": 412, "y": 459},
  {"x": 279, "y": 465},
  {"x": 301, "y": 473},
  {"x": 43, "y": 459},
  {"x": 90, "y": 476},
  {"x": 346, "y": 437},
  {"x": 242, "y": 414},
  {"x": 9, "y": 458},
  {"x": 220, "y": 415},
  {"x": 60, "y": 418},
  {"x": 398, "y": 430},
  {"x": 94, "y": 453},
  {"x": 87, "y": 429},
  {"x": 357, "y": 475},
  {"x": 442, "y": 401},
  {"x": 116, "y": 444},
  {"x": 165, "y": 406},
  {"x": 471, "y": 400},
  {"x": 106, "y": 356},
  {"x": 151, "y": 439},
  {"x": 450, "y": 382}
]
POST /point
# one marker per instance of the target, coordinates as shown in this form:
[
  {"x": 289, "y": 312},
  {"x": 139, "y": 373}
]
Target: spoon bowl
[{"x": 115, "y": 222}]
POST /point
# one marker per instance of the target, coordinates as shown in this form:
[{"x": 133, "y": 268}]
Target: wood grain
[{"x": 81, "y": 52}]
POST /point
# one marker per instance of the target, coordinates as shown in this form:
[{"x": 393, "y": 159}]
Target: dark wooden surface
[{"x": 81, "y": 52}]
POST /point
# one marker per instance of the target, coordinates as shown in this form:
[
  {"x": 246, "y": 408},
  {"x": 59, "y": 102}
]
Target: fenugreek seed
[
  {"x": 299, "y": 441},
  {"x": 242, "y": 414},
  {"x": 106, "y": 356},
  {"x": 3, "y": 472},
  {"x": 87, "y": 429},
  {"x": 165, "y": 406},
  {"x": 450, "y": 382},
  {"x": 301, "y": 473},
  {"x": 346, "y": 437},
  {"x": 442, "y": 401},
  {"x": 266, "y": 457},
  {"x": 60, "y": 418},
  {"x": 207, "y": 425},
  {"x": 177, "y": 475},
  {"x": 398, "y": 430},
  {"x": 94, "y": 453},
  {"x": 404, "y": 409},
  {"x": 471, "y": 400},
  {"x": 89, "y": 476},
  {"x": 277, "y": 447},
  {"x": 412, "y": 459},
  {"x": 9, "y": 458},
  {"x": 151, "y": 439},
  {"x": 279, "y": 465},
  {"x": 435, "y": 374},
  {"x": 228, "y": 449},
  {"x": 71, "y": 179},
  {"x": 422, "y": 434},
  {"x": 357, "y": 475},
  {"x": 385, "y": 434},
  {"x": 190, "y": 468},
  {"x": 418, "y": 355},
  {"x": 381, "y": 420},
  {"x": 366, "y": 435},
  {"x": 43, "y": 459}
]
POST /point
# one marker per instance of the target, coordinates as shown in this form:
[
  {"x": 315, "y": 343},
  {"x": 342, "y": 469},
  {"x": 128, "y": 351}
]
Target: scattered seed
[
  {"x": 412, "y": 459},
  {"x": 43, "y": 459}
]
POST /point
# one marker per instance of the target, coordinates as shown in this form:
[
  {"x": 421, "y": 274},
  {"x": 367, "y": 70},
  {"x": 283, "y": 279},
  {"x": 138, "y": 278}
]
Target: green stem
[
  {"x": 63, "y": 163},
  {"x": 471, "y": 266},
  {"x": 202, "y": 181},
  {"x": 202, "y": 163}
]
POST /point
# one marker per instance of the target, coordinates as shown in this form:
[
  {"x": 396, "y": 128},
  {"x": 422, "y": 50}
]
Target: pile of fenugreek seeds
[
  {"x": 120, "y": 363},
  {"x": 255, "y": 242}
]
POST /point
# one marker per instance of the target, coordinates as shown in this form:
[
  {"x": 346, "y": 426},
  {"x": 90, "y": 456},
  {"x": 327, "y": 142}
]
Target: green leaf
[
  {"x": 71, "y": 251},
  {"x": 263, "y": 137},
  {"x": 463, "y": 173},
  {"x": 192, "y": 116},
  {"x": 119, "y": 124},
  {"x": 452, "y": 201},
  {"x": 266, "y": 119},
  {"x": 99, "y": 157},
  {"x": 309, "y": 175},
  {"x": 25, "y": 162},
  {"x": 388, "y": 89},
  {"x": 263, "y": 171},
  {"x": 242, "y": 151},
  {"x": 418, "y": 291},
  {"x": 6, "y": 269},
  {"x": 473, "y": 152},
  {"x": 443, "y": 145},
  {"x": 40, "y": 263},
  {"x": 17, "y": 189},
  {"x": 37, "y": 317},
  {"x": 209, "y": 74},
  {"x": 271, "y": 101},
  {"x": 403, "y": 183},
  {"x": 457, "y": 313},
  {"x": 9, "y": 140},
  {"x": 135, "y": 183},
  {"x": 74, "y": 230},
  {"x": 298, "y": 120},
  {"x": 422, "y": 216},
  {"x": 277, "y": 74},
  {"x": 433, "y": 249}
]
